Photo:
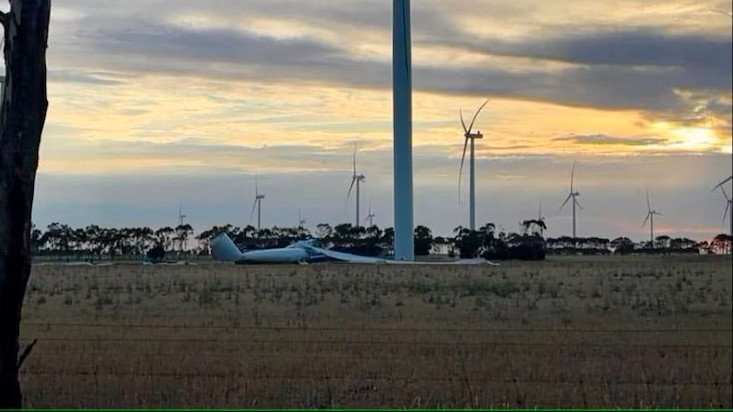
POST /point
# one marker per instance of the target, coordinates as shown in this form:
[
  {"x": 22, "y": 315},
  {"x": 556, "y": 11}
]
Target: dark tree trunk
[{"x": 21, "y": 123}]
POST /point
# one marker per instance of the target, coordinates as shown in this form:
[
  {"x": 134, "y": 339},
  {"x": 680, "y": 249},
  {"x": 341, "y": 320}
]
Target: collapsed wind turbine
[
  {"x": 573, "y": 195},
  {"x": 469, "y": 135},
  {"x": 650, "y": 218},
  {"x": 258, "y": 205},
  {"x": 356, "y": 179}
]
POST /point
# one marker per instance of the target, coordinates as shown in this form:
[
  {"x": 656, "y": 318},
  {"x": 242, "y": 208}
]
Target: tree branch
[{"x": 26, "y": 352}]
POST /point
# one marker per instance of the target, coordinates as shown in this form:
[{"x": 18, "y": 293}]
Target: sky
[{"x": 154, "y": 103}]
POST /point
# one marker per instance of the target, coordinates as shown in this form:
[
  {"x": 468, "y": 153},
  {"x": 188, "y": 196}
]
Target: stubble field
[{"x": 594, "y": 332}]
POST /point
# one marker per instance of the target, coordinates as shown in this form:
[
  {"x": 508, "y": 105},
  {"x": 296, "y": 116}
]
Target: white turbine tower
[
  {"x": 181, "y": 221},
  {"x": 356, "y": 179},
  {"x": 257, "y": 205},
  {"x": 650, "y": 218},
  {"x": 728, "y": 208},
  {"x": 370, "y": 217},
  {"x": 404, "y": 245},
  {"x": 573, "y": 195},
  {"x": 469, "y": 135}
]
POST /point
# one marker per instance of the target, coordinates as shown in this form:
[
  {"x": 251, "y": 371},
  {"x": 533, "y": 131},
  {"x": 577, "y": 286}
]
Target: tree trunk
[{"x": 21, "y": 123}]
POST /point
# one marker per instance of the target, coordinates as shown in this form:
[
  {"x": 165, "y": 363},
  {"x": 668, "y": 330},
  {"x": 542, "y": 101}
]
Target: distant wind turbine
[
  {"x": 370, "y": 217},
  {"x": 258, "y": 205},
  {"x": 728, "y": 209},
  {"x": 469, "y": 135},
  {"x": 650, "y": 218},
  {"x": 356, "y": 179},
  {"x": 573, "y": 195},
  {"x": 540, "y": 218},
  {"x": 181, "y": 221},
  {"x": 301, "y": 220}
]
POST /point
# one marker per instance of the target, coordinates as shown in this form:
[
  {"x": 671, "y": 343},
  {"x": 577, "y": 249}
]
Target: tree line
[{"x": 93, "y": 242}]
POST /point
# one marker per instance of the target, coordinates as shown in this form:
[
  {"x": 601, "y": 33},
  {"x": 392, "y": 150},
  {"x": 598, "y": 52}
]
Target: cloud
[{"x": 602, "y": 139}]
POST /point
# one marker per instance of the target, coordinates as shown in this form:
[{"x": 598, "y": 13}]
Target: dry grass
[{"x": 597, "y": 332}]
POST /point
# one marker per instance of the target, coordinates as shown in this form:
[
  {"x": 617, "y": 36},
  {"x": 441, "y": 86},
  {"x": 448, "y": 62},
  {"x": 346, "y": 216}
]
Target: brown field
[{"x": 594, "y": 332}]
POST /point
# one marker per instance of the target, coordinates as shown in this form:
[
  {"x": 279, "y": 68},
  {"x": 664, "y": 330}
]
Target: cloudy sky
[{"x": 156, "y": 102}]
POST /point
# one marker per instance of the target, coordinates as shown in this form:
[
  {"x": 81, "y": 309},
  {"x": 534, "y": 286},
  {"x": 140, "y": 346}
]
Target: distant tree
[
  {"x": 468, "y": 242},
  {"x": 622, "y": 246},
  {"x": 182, "y": 232},
  {"x": 423, "y": 240},
  {"x": 721, "y": 244}
]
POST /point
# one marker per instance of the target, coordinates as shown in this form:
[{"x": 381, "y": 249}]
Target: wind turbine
[
  {"x": 258, "y": 205},
  {"x": 181, "y": 218},
  {"x": 370, "y": 217},
  {"x": 573, "y": 195},
  {"x": 469, "y": 135},
  {"x": 650, "y": 218},
  {"x": 356, "y": 179},
  {"x": 301, "y": 220},
  {"x": 728, "y": 208},
  {"x": 541, "y": 218}
]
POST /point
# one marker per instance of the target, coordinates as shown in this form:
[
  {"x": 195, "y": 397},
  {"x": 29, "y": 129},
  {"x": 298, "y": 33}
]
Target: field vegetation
[{"x": 614, "y": 331}]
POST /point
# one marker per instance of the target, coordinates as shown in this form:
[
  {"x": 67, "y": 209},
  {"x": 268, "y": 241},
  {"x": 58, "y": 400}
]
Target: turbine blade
[
  {"x": 572, "y": 178},
  {"x": 646, "y": 220},
  {"x": 725, "y": 214},
  {"x": 460, "y": 172},
  {"x": 648, "y": 203},
  {"x": 578, "y": 204},
  {"x": 252, "y": 213},
  {"x": 540, "y": 215},
  {"x": 566, "y": 201},
  {"x": 465, "y": 129},
  {"x": 470, "y": 128},
  {"x": 658, "y": 214},
  {"x": 725, "y": 194},
  {"x": 722, "y": 183},
  {"x": 355, "y": 160},
  {"x": 353, "y": 180}
]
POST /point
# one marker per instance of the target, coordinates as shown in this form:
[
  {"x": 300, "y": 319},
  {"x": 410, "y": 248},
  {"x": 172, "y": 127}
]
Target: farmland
[{"x": 591, "y": 331}]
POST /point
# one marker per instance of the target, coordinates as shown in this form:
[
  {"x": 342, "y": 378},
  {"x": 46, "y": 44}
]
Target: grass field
[{"x": 592, "y": 331}]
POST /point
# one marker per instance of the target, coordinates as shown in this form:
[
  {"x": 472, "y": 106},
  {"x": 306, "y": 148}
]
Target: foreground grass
[{"x": 600, "y": 332}]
